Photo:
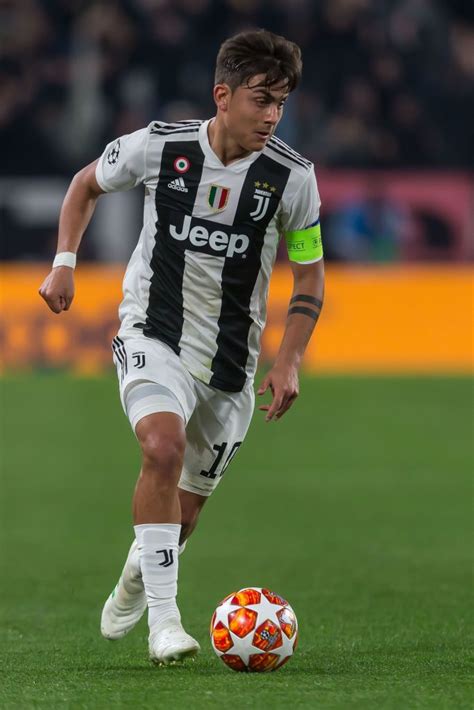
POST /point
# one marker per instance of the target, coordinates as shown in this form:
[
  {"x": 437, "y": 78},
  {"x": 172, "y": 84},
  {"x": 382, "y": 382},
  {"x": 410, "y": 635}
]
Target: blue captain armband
[{"x": 305, "y": 245}]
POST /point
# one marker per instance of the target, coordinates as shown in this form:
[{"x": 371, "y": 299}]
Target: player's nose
[{"x": 272, "y": 114}]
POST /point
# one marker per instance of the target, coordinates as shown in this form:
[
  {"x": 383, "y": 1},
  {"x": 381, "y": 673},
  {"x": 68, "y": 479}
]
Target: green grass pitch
[{"x": 356, "y": 507}]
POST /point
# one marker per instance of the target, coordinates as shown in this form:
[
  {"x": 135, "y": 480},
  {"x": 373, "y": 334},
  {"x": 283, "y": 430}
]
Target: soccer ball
[{"x": 254, "y": 630}]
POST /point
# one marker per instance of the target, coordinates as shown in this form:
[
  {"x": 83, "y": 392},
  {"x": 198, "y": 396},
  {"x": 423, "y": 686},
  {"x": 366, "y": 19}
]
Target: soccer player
[{"x": 219, "y": 193}]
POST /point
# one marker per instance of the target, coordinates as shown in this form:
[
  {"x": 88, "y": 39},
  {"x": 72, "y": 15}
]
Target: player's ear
[{"x": 222, "y": 96}]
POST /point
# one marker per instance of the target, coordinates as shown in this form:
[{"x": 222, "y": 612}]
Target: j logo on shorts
[{"x": 138, "y": 360}]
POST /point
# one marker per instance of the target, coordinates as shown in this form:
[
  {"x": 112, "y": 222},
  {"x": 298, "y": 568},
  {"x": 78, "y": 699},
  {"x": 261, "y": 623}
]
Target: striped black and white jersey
[{"x": 198, "y": 278}]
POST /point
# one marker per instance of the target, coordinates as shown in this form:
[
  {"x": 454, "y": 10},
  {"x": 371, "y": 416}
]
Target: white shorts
[{"x": 216, "y": 421}]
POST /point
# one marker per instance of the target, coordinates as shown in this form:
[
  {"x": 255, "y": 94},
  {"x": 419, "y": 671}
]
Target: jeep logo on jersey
[
  {"x": 263, "y": 197},
  {"x": 200, "y": 234}
]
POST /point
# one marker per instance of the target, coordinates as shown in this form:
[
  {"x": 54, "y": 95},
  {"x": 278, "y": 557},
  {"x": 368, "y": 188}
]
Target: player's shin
[{"x": 158, "y": 545}]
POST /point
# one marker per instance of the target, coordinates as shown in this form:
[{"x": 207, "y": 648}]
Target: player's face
[{"x": 254, "y": 111}]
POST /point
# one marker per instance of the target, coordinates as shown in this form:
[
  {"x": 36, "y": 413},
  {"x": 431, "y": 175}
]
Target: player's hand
[
  {"x": 58, "y": 289},
  {"x": 283, "y": 383}
]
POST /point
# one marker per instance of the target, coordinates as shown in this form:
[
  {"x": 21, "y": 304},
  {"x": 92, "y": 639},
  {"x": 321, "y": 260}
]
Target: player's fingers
[
  {"x": 264, "y": 407},
  {"x": 285, "y": 406},
  {"x": 56, "y": 304},
  {"x": 274, "y": 407},
  {"x": 264, "y": 386},
  {"x": 42, "y": 293},
  {"x": 68, "y": 303},
  {"x": 288, "y": 396},
  {"x": 55, "y": 307},
  {"x": 52, "y": 301}
]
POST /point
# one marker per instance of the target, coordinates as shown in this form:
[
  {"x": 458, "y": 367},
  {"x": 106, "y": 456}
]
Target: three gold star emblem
[{"x": 266, "y": 185}]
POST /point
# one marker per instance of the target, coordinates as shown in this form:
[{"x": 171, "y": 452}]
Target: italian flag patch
[{"x": 218, "y": 197}]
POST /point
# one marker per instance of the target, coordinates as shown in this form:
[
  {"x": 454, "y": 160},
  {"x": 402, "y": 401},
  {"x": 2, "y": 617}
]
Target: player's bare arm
[
  {"x": 78, "y": 207},
  {"x": 303, "y": 313}
]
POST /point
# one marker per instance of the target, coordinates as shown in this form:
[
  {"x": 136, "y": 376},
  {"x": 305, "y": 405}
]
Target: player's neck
[{"x": 223, "y": 145}]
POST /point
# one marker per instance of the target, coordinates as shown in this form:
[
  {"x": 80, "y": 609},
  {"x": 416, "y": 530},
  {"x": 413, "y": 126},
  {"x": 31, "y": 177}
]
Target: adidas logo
[{"x": 178, "y": 184}]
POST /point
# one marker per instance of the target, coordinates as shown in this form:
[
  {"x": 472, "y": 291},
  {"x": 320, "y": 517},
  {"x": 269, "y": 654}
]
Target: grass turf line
[{"x": 355, "y": 506}]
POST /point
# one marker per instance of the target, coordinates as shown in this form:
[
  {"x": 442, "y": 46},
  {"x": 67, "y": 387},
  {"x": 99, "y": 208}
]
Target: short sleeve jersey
[{"x": 198, "y": 278}]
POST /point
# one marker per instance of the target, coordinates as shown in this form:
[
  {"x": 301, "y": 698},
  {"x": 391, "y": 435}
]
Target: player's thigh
[
  {"x": 214, "y": 435},
  {"x": 152, "y": 380}
]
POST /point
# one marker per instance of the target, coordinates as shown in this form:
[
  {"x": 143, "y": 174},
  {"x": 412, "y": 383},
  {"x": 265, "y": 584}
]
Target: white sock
[
  {"x": 158, "y": 548},
  {"x": 182, "y": 547}
]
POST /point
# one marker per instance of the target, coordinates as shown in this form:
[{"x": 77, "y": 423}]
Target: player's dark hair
[{"x": 258, "y": 52}]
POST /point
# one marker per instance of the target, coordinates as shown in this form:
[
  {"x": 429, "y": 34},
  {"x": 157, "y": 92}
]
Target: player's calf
[{"x": 191, "y": 505}]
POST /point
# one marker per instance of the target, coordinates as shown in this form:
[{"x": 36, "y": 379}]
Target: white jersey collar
[{"x": 214, "y": 161}]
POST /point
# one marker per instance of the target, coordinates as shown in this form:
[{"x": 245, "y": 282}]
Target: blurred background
[{"x": 385, "y": 111}]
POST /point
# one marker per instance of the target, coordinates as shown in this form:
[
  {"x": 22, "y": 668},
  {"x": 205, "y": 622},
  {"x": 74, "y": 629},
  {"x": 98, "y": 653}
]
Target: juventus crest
[
  {"x": 167, "y": 557},
  {"x": 262, "y": 194}
]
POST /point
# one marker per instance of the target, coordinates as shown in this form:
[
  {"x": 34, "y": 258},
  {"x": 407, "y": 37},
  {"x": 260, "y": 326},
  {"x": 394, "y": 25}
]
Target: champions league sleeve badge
[{"x": 114, "y": 152}]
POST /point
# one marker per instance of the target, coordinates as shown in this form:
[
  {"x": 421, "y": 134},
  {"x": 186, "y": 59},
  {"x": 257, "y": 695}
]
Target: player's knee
[{"x": 163, "y": 454}]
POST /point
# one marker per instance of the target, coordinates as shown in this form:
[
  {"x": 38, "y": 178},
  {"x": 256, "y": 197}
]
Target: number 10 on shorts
[{"x": 221, "y": 449}]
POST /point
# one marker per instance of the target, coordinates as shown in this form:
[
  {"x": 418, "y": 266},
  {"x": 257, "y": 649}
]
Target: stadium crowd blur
[{"x": 386, "y": 84}]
